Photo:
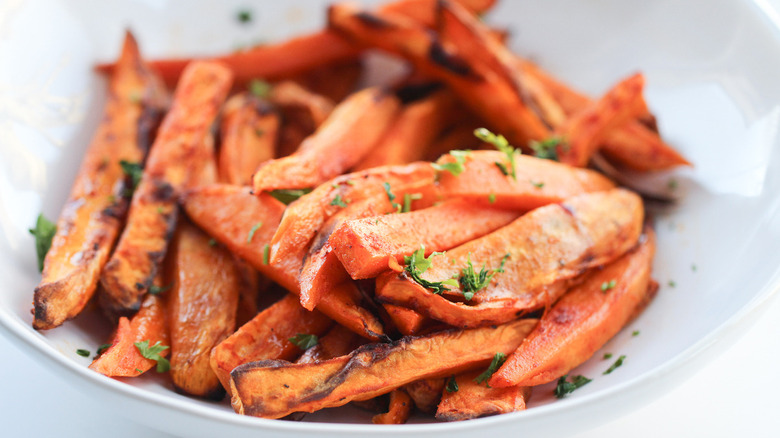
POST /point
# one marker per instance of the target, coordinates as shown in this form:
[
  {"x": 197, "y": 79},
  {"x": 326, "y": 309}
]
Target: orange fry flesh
[
  {"x": 582, "y": 321},
  {"x": 181, "y": 157},
  {"x": 399, "y": 411},
  {"x": 93, "y": 215},
  {"x": 474, "y": 400},
  {"x": 249, "y": 131}
]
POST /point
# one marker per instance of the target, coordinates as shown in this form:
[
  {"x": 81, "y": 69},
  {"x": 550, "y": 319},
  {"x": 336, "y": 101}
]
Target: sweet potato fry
[
  {"x": 334, "y": 81},
  {"x": 321, "y": 269},
  {"x": 338, "y": 341},
  {"x": 582, "y": 321},
  {"x": 202, "y": 309},
  {"x": 350, "y": 132},
  {"x": 230, "y": 213},
  {"x": 94, "y": 213},
  {"x": 539, "y": 182},
  {"x": 250, "y": 285},
  {"x": 122, "y": 358},
  {"x": 408, "y": 322},
  {"x": 426, "y": 393},
  {"x": 412, "y": 132},
  {"x": 474, "y": 400},
  {"x": 483, "y": 91},
  {"x": 182, "y": 157},
  {"x": 424, "y": 11},
  {"x": 249, "y": 131},
  {"x": 304, "y": 217},
  {"x": 273, "y": 389},
  {"x": 632, "y": 145},
  {"x": 399, "y": 410},
  {"x": 582, "y": 132},
  {"x": 588, "y": 230},
  {"x": 289, "y": 95},
  {"x": 364, "y": 246},
  {"x": 266, "y": 336}
]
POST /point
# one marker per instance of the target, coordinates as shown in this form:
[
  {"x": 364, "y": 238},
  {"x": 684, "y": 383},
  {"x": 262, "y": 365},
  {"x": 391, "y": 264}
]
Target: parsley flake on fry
[
  {"x": 502, "y": 144},
  {"x": 287, "y": 196},
  {"x": 454, "y": 167},
  {"x": 417, "y": 264},
  {"x": 495, "y": 364},
  {"x": 153, "y": 353},
  {"x": 304, "y": 341},
  {"x": 452, "y": 385}
]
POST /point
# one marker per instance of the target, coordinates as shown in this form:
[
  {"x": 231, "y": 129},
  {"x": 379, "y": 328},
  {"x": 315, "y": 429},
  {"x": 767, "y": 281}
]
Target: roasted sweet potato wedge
[
  {"x": 245, "y": 223},
  {"x": 122, "y": 358},
  {"x": 526, "y": 265},
  {"x": 399, "y": 410},
  {"x": 364, "y": 246},
  {"x": 338, "y": 341},
  {"x": 273, "y": 389},
  {"x": 348, "y": 135},
  {"x": 582, "y": 321},
  {"x": 181, "y": 157},
  {"x": 290, "y": 96},
  {"x": 538, "y": 182},
  {"x": 94, "y": 213},
  {"x": 249, "y": 129},
  {"x": 474, "y": 400},
  {"x": 424, "y": 11},
  {"x": 201, "y": 309},
  {"x": 266, "y": 336},
  {"x": 426, "y": 393},
  {"x": 335, "y": 80}
]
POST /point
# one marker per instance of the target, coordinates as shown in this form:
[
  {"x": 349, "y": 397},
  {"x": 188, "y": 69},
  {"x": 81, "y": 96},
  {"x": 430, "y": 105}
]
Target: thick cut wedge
[
  {"x": 181, "y": 157},
  {"x": 273, "y": 389},
  {"x": 202, "y": 309},
  {"x": 266, "y": 336},
  {"x": 474, "y": 400},
  {"x": 249, "y": 131},
  {"x": 542, "y": 252},
  {"x": 94, "y": 213},
  {"x": 582, "y": 321}
]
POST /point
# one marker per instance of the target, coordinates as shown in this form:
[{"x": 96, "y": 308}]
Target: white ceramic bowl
[{"x": 711, "y": 68}]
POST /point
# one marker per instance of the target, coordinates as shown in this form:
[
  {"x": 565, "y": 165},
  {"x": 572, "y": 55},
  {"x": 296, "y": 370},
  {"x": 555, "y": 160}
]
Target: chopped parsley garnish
[
  {"x": 266, "y": 252},
  {"x": 454, "y": 167},
  {"x": 492, "y": 198},
  {"x": 138, "y": 370},
  {"x": 338, "y": 201},
  {"x": 134, "y": 96},
  {"x": 102, "y": 348},
  {"x": 635, "y": 333},
  {"x": 537, "y": 184},
  {"x": 212, "y": 242},
  {"x": 259, "y": 132},
  {"x": 83, "y": 353},
  {"x": 408, "y": 198},
  {"x": 672, "y": 184},
  {"x": 615, "y": 365},
  {"x": 501, "y": 143},
  {"x": 287, "y": 196},
  {"x": 452, "y": 385},
  {"x": 547, "y": 149},
  {"x": 417, "y": 264},
  {"x": 160, "y": 210},
  {"x": 607, "y": 356},
  {"x": 44, "y": 232},
  {"x": 391, "y": 196},
  {"x": 495, "y": 364},
  {"x": 153, "y": 353},
  {"x": 607, "y": 285},
  {"x": 472, "y": 281},
  {"x": 694, "y": 267},
  {"x": 672, "y": 283},
  {"x": 156, "y": 290},
  {"x": 304, "y": 341},
  {"x": 564, "y": 387},
  {"x": 259, "y": 88},
  {"x": 252, "y": 232},
  {"x": 134, "y": 171},
  {"x": 244, "y": 16},
  {"x": 503, "y": 262}
]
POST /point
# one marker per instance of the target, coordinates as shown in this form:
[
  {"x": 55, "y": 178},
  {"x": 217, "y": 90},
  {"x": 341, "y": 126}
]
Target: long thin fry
[
  {"x": 181, "y": 157},
  {"x": 93, "y": 215},
  {"x": 249, "y": 131},
  {"x": 399, "y": 411}
]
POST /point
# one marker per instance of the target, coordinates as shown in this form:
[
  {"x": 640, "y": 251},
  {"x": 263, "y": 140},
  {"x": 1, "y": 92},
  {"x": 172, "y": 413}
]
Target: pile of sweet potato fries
[{"x": 271, "y": 232}]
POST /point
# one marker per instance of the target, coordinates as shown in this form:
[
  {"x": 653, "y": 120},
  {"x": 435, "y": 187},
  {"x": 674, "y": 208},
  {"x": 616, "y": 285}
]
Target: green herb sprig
[
  {"x": 417, "y": 264},
  {"x": 502, "y": 144},
  {"x": 565, "y": 387},
  {"x": 153, "y": 353},
  {"x": 304, "y": 341},
  {"x": 495, "y": 364},
  {"x": 44, "y": 232}
]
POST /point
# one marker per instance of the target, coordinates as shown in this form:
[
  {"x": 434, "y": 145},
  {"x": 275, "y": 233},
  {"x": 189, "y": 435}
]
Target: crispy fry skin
[
  {"x": 273, "y": 389},
  {"x": 352, "y": 129},
  {"x": 584, "y": 130},
  {"x": 632, "y": 145},
  {"x": 181, "y": 158},
  {"x": 482, "y": 90},
  {"x": 266, "y": 336},
  {"x": 364, "y": 246},
  {"x": 229, "y": 213},
  {"x": 94, "y": 213},
  {"x": 399, "y": 410},
  {"x": 426, "y": 393},
  {"x": 338, "y": 341},
  {"x": 415, "y": 128},
  {"x": 249, "y": 130},
  {"x": 582, "y": 321},
  {"x": 321, "y": 268},
  {"x": 474, "y": 400},
  {"x": 123, "y": 359},
  {"x": 539, "y": 182},
  {"x": 202, "y": 309},
  {"x": 304, "y": 217},
  {"x": 588, "y": 230}
]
